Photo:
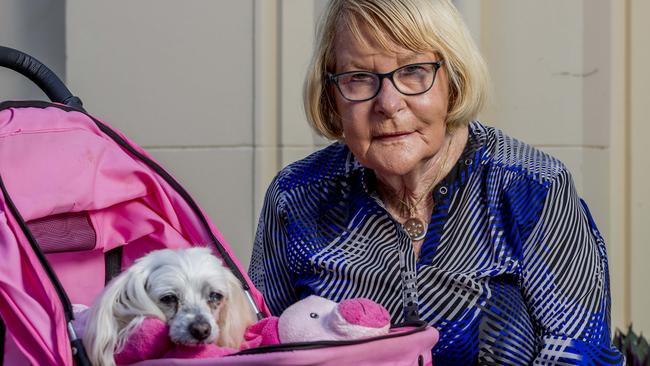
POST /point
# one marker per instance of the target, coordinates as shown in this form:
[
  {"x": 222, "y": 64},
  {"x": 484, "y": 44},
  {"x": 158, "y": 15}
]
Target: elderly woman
[{"x": 427, "y": 211}]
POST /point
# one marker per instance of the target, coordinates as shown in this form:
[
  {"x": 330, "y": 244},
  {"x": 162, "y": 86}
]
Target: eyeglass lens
[{"x": 409, "y": 79}]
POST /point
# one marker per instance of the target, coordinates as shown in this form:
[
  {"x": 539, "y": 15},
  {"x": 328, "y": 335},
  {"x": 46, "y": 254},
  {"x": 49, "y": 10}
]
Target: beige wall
[
  {"x": 36, "y": 27},
  {"x": 551, "y": 73},
  {"x": 176, "y": 77},
  {"x": 213, "y": 90},
  {"x": 571, "y": 78},
  {"x": 283, "y": 43},
  {"x": 638, "y": 174}
]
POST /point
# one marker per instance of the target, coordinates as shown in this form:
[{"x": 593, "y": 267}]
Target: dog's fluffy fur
[{"x": 190, "y": 289}]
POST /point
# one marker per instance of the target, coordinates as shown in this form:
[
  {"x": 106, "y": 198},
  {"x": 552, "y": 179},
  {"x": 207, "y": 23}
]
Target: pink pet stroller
[{"x": 79, "y": 203}]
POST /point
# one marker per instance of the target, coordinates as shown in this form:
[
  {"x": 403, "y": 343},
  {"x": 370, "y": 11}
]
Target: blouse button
[
  {"x": 443, "y": 190},
  {"x": 468, "y": 162}
]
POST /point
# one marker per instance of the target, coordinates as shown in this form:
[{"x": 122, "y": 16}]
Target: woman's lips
[{"x": 392, "y": 136}]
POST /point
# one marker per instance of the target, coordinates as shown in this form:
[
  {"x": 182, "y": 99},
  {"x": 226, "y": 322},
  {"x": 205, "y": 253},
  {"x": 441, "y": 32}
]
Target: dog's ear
[
  {"x": 118, "y": 311},
  {"x": 235, "y": 315}
]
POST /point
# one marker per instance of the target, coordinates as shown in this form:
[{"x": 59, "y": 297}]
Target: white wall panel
[
  {"x": 177, "y": 77},
  {"x": 220, "y": 181},
  {"x": 36, "y": 27},
  {"x": 534, "y": 51},
  {"x": 168, "y": 73},
  {"x": 639, "y": 165}
]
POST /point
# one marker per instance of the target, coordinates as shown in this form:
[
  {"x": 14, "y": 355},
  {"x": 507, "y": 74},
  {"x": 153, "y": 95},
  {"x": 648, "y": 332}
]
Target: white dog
[{"x": 190, "y": 289}]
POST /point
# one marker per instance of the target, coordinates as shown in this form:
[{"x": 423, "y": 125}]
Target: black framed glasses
[{"x": 412, "y": 79}]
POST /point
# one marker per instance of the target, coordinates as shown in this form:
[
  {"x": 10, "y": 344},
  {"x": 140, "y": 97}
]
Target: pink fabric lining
[
  {"x": 35, "y": 322},
  {"x": 399, "y": 351}
]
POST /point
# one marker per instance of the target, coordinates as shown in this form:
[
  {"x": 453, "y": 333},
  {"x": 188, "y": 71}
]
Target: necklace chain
[{"x": 413, "y": 225}]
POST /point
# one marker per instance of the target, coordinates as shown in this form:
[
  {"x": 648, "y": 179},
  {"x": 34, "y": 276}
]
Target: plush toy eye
[
  {"x": 313, "y": 315},
  {"x": 169, "y": 299},
  {"x": 215, "y": 296}
]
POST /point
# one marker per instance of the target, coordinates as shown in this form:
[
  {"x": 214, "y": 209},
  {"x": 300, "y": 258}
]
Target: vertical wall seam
[
  {"x": 255, "y": 174},
  {"x": 278, "y": 86},
  {"x": 266, "y": 98},
  {"x": 627, "y": 178}
]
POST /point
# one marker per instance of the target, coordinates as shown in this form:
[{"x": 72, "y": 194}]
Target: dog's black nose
[{"x": 200, "y": 330}]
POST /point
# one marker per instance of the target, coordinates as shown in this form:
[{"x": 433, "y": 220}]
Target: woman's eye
[
  {"x": 169, "y": 299},
  {"x": 361, "y": 78},
  {"x": 215, "y": 296},
  {"x": 412, "y": 69}
]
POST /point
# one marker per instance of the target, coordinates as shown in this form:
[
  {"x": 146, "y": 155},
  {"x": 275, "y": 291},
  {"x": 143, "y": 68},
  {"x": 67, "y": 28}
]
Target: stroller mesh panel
[{"x": 67, "y": 232}]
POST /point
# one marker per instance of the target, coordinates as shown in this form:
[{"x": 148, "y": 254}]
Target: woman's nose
[{"x": 389, "y": 100}]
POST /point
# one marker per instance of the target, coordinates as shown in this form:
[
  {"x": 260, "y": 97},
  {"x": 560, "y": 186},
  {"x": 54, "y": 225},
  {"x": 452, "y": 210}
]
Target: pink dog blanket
[{"x": 151, "y": 341}]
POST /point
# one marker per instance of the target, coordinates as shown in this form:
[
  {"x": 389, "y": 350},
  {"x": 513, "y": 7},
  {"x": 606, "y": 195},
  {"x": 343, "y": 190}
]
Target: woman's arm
[
  {"x": 269, "y": 267},
  {"x": 565, "y": 282}
]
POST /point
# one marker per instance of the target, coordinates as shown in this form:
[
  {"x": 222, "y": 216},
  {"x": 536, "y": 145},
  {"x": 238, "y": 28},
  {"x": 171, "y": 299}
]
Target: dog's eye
[
  {"x": 169, "y": 299},
  {"x": 215, "y": 296}
]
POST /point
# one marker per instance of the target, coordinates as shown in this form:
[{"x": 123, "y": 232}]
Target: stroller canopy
[{"x": 78, "y": 189}]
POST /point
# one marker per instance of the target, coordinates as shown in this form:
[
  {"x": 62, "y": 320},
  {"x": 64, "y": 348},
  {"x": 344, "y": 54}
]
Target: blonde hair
[{"x": 418, "y": 25}]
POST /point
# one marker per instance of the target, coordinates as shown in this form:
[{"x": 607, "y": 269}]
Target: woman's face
[{"x": 393, "y": 134}]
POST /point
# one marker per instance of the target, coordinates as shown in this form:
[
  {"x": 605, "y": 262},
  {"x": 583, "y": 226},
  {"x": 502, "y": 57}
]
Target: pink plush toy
[
  {"x": 151, "y": 340},
  {"x": 315, "y": 318}
]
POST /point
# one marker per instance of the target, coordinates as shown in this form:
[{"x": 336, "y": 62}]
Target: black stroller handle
[{"x": 40, "y": 74}]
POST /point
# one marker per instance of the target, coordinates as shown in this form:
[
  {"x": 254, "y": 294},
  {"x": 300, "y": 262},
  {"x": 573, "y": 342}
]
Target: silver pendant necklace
[{"x": 414, "y": 226}]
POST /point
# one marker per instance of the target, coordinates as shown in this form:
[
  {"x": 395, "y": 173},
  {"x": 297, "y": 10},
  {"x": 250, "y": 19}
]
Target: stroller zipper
[{"x": 419, "y": 326}]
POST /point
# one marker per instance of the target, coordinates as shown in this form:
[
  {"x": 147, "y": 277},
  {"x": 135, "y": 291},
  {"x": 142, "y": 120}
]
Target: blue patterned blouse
[{"x": 512, "y": 270}]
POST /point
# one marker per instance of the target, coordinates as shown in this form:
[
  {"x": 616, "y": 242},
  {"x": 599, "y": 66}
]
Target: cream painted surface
[
  {"x": 267, "y": 163},
  {"x": 596, "y": 87},
  {"x": 36, "y": 27},
  {"x": 549, "y": 70},
  {"x": 618, "y": 248},
  {"x": 266, "y": 113},
  {"x": 219, "y": 179},
  {"x": 298, "y": 21},
  {"x": 573, "y": 158},
  {"x": 166, "y": 72},
  {"x": 178, "y": 79},
  {"x": 595, "y": 179},
  {"x": 296, "y": 35},
  {"x": 534, "y": 51},
  {"x": 639, "y": 165},
  {"x": 284, "y": 32},
  {"x": 557, "y": 79},
  {"x": 586, "y": 167},
  {"x": 291, "y": 154},
  {"x": 471, "y": 11}
]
